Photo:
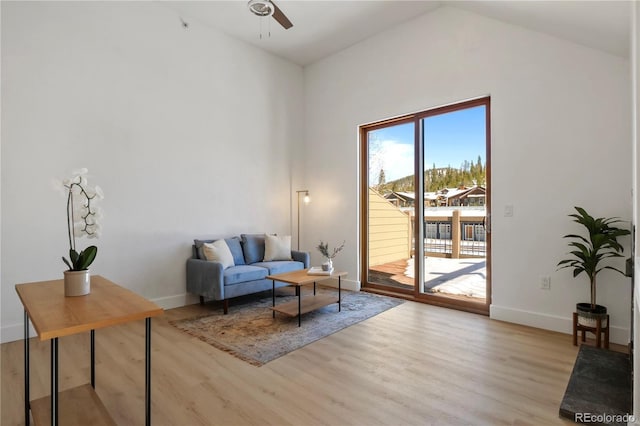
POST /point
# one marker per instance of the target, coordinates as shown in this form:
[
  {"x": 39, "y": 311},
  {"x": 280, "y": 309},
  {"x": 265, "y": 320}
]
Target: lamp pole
[{"x": 306, "y": 201}]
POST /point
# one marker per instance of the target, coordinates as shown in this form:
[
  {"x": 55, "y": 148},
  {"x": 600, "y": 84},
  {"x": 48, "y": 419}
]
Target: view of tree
[
  {"x": 435, "y": 179},
  {"x": 381, "y": 178}
]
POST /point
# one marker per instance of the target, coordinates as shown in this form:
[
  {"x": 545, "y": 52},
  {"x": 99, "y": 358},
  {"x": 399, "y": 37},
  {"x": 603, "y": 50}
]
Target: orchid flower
[{"x": 83, "y": 218}]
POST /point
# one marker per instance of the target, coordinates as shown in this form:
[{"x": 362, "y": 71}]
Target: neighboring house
[
  {"x": 462, "y": 196},
  {"x": 390, "y": 231},
  {"x": 447, "y": 197},
  {"x": 401, "y": 199}
]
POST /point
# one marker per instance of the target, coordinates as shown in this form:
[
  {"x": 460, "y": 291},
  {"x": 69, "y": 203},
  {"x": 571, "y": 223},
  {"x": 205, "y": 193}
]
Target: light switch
[{"x": 508, "y": 210}]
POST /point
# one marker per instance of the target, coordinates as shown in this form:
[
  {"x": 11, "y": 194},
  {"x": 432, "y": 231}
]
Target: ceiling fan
[{"x": 268, "y": 8}]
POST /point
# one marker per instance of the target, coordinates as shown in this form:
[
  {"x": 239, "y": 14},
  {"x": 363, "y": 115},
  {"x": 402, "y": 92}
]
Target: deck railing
[{"x": 455, "y": 236}]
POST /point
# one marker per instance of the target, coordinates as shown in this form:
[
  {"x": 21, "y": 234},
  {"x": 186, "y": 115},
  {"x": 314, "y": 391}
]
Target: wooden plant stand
[{"x": 598, "y": 330}]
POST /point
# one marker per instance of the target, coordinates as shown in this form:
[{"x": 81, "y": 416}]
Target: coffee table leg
[
  {"x": 273, "y": 297},
  {"x": 339, "y": 294},
  {"x": 299, "y": 307}
]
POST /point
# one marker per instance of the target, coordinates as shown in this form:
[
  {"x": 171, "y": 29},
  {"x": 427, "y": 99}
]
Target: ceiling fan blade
[{"x": 280, "y": 17}]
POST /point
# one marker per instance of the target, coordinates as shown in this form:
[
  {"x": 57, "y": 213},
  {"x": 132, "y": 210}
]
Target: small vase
[
  {"x": 77, "y": 283},
  {"x": 327, "y": 266}
]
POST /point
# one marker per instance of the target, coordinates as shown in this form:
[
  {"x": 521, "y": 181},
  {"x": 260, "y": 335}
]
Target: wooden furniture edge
[
  {"x": 303, "y": 279},
  {"x": 307, "y": 304},
  {"x": 152, "y": 310},
  {"x": 47, "y": 335}
]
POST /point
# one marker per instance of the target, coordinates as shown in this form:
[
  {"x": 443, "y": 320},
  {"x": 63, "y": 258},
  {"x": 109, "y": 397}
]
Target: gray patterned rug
[{"x": 250, "y": 333}]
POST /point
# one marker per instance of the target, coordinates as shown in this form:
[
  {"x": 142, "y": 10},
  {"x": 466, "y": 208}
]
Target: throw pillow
[
  {"x": 199, "y": 244},
  {"x": 253, "y": 247},
  {"x": 218, "y": 251},
  {"x": 236, "y": 250},
  {"x": 277, "y": 248}
]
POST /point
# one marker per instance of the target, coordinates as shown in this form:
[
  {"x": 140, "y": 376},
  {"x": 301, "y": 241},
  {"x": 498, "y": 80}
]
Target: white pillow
[
  {"x": 277, "y": 248},
  {"x": 218, "y": 251}
]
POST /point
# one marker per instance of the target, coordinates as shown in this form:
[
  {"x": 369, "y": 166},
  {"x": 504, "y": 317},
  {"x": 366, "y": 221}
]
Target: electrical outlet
[{"x": 545, "y": 283}]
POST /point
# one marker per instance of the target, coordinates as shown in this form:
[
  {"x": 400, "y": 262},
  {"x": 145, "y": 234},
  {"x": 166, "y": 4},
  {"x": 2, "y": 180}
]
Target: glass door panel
[
  {"x": 454, "y": 204},
  {"x": 390, "y": 206}
]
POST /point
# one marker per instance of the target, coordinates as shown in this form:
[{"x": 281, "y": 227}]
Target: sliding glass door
[
  {"x": 390, "y": 204},
  {"x": 445, "y": 207}
]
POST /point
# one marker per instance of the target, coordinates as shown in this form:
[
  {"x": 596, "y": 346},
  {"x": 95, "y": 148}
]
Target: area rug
[{"x": 250, "y": 333}]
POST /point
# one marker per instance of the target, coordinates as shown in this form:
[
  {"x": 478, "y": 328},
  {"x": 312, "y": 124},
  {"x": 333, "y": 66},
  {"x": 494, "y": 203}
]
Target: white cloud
[{"x": 395, "y": 158}]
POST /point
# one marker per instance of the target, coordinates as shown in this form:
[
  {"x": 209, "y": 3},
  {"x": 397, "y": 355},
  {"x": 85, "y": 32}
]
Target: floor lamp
[{"x": 306, "y": 200}]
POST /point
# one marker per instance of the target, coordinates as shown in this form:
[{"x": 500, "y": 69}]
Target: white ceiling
[{"x": 321, "y": 28}]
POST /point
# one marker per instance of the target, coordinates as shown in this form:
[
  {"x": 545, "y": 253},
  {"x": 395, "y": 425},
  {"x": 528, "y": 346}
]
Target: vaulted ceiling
[{"x": 321, "y": 28}]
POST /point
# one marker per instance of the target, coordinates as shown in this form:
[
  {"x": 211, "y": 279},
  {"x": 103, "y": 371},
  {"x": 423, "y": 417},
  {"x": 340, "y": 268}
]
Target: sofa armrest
[
  {"x": 205, "y": 278},
  {"x": 302, "y": 256}
]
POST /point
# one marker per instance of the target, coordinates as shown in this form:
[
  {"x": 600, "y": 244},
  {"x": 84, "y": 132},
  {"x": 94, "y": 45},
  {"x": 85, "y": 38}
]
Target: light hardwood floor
[{"x": 412, "y": 365}]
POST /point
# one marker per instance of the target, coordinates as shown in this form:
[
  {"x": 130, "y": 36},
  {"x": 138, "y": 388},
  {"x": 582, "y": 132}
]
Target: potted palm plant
[{"x": 589, "y": 255}]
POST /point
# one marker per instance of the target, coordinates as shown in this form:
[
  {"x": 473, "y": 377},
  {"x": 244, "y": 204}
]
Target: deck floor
[{"x": 451, "y": 277}]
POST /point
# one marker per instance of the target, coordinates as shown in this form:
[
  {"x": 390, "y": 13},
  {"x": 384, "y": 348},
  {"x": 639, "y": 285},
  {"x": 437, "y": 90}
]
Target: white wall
[
  {"x": 177, "y": 126},
  {"x": 560, "y": 137}
]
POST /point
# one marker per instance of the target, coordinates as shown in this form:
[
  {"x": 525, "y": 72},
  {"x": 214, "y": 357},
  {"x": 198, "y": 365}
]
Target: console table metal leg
[
  {"x": 273, "y": 297},
  {"x": 26, "y": 368},
  {"x": 147, "y": 373},
  {"x": 54, "y": 381},
  {"x": 93, "y": 359}
]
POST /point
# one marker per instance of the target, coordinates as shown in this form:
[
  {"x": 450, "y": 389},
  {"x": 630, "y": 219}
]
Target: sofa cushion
[
  {"x": 280, "y": 266},
  {"x": 218, "y": 251},
  {"x": 236, "y": 250},
  {"x": 277, "y": 248},
  {"x": 253, "y": 247},
  {"x": 242, "y": 273}
]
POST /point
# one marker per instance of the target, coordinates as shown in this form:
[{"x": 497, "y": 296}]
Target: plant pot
[
  {"x": 77, "y": 283},
  {"x": 588, "y": 317}
]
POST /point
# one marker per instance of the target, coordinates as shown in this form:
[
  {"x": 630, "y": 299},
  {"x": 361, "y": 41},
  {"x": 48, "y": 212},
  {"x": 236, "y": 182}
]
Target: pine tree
[{"x": 381, "y": 179}]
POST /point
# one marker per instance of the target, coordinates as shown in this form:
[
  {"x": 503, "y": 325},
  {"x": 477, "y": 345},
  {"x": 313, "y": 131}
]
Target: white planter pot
[
  {"x": 77, "y": 283},
  {"x": 589, "y": 317}
]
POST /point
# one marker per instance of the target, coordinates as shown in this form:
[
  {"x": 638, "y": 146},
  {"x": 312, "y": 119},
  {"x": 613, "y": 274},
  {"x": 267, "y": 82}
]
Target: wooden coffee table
[{"x": 310, "y": 302}]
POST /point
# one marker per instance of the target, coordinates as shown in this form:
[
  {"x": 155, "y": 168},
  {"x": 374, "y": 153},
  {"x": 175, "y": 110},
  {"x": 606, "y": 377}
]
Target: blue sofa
[{"x": 210, "y": 280}]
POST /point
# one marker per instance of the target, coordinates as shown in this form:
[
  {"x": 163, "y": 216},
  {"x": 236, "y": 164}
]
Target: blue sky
[{"x": 451, "y": 139}]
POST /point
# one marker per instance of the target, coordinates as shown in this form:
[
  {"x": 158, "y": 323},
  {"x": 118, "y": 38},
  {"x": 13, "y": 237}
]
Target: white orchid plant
[{"x": 83, "y": 217}]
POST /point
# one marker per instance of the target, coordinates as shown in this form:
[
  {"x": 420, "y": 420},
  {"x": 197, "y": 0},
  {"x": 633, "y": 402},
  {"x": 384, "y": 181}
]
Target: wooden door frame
[{"x": 415, "y": 294}]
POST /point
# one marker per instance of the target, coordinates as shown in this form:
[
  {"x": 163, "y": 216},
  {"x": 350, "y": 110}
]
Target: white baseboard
[
  {"x": 177, "y": 301},
  {"x": 619, "y": 335},
  {"x": 15, "y": 332},
  {"x": 345, "y": 284}
]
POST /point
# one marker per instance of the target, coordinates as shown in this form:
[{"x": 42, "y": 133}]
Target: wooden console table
[{"x": 53, "y": 316}]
